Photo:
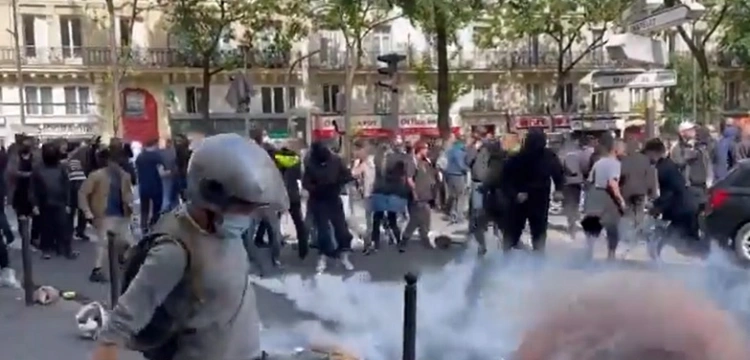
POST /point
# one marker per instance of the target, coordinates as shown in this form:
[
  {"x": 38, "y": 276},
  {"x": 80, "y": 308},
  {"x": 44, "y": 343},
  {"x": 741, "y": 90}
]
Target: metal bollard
[
  {"x": 114, "y": 274},
  {"x": 410, "y": 317},
  {"x": 24, "y": 230}
]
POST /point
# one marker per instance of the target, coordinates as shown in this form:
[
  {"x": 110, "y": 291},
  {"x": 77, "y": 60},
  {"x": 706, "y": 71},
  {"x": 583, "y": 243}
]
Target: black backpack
[{"x": 158, "y": 339}]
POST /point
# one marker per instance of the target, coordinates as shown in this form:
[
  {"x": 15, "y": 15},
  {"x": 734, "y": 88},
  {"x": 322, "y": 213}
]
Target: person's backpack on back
[{"x": 158, "y": 340}]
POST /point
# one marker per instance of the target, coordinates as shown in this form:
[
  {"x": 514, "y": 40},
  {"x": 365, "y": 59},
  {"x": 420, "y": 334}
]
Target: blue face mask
[{"x": 233, "y": 226}]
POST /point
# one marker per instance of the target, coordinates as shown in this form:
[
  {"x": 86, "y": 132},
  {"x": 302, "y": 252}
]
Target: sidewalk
[{"x": 42, "y": 332}]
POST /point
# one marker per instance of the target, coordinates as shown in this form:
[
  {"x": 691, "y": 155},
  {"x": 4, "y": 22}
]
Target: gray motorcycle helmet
[{"x": 228, "y": 169}]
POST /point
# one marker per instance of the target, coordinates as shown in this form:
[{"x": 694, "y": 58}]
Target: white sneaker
[
  {"x": 431, "y": 239},
  {"x": 8, "y": 279},
  {"x": 322, "y": 264},
  {"x": 346, "y": 262}
]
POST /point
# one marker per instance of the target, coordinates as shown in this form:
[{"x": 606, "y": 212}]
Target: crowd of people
[{"x": 483, "y": 180}]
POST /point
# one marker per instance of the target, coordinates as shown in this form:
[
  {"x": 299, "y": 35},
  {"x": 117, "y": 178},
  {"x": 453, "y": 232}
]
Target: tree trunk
[
  {"x": 206, "y": 89},
  {"x": 350, "y": 67},
  {"x": 114, "y": 59},
  {"x": 443, "y": 79}
]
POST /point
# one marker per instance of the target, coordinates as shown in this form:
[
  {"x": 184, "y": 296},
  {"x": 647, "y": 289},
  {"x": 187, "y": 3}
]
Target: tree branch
[
  {"x": 297, "y": 61},
  {"x": 375, "y": 24},
  {"x": 688, "y": 41},
  {"x": 719, "y": 20},
  {"x": 216, "y": 71},
  {"x": 597, "y": 43}
]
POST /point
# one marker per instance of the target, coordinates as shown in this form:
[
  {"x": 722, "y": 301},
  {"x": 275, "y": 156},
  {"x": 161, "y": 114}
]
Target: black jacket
[
  {"x": 533, "y": 169},
  {"x": 325, "y": 173},
  {"x": 673, "y": 200}
]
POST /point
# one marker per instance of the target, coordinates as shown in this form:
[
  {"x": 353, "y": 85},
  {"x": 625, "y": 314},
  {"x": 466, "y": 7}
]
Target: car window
[{"x": 739, "y": 176}]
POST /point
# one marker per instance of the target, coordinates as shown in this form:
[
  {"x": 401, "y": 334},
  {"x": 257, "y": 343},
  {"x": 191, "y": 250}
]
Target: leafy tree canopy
[
  {"x": 736, "y": 31},
  {"x": 707, "y": 95}
]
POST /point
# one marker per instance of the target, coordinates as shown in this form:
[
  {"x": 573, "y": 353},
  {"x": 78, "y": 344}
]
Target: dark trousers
[
  {"x": 419, "y": 219},
  {"x": 571, "y": 204},
  {"x": 593, "y": 228},
  {"x": 76, "y": 218},
  {"x": 328, "y": 213},
  {"x": 53, "y": 238},
  {"x": 391, "y": 219},
  {"x": 295, "y": 211},
  {"x": 535, "y": 211},
  {"x": 635, "y": 209},
  {"x": 150, "y": 209}
]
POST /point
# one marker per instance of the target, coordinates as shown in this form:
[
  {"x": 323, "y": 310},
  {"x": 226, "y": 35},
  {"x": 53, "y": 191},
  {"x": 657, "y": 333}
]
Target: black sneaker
[{"x": 97, "y": 276}]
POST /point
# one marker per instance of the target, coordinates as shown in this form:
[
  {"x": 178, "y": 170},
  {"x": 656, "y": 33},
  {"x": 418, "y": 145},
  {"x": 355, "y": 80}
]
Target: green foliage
[
  {"x": 564, "y": 23},
  {"x": 716, "y": 15},
  {"x": 707, "y": 90},
  {"x": 201, "y": 25},
  {"x": 452, "y": 15},
  {"x": 354, "y": 19},
  {"x": 459, "y": 84},
  {"x": 736, "y": 30}
]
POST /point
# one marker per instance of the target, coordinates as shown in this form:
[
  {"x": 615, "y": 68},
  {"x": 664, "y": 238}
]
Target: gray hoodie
[{"x": 226, "y": 324}]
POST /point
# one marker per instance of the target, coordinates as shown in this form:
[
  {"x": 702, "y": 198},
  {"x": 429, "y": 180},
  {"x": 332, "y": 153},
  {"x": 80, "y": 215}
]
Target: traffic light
[{"x": 390, "y": 70}]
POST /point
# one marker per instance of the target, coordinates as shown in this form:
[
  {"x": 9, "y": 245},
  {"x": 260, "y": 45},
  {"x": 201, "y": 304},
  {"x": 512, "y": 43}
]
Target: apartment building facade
[{"x": 68, "y": 91}]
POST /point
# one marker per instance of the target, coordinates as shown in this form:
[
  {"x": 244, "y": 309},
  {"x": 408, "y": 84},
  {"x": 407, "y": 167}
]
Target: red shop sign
[{"x": 532, "y": 122}]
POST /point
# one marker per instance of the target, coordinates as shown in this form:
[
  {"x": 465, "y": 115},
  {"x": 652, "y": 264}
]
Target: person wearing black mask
[
  {"x": 529, "y": 177},
  {"x": 51, "y": 198}
]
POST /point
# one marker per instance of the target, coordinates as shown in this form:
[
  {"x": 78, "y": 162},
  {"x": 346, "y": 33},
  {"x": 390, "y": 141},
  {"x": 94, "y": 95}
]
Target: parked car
[{"x": 726, "y": 218}]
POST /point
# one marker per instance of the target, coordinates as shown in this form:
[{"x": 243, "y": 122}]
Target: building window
[
  {"x": 125, "y": 35},
  {"x": 77, "y": 100},
  {"x": 330, "y": 98},
  {"x": 381, "y": 40},
  {"x": 484, "y": 98},
  {"x": 38, "y": 100},
  {"x": 567, "y": 94},
  {"x": 382, "y": 100},
  {"x": 273, "y": 100},
  {"x": 193, "y": 96},
  {"x": 535, "y": 96},
  {"x": 597, "y": 37},
  {"x": 29, "y": 35},
  {"x": 532, "y": 49},
  {"x": 637, "y": 98},
  {"x": 70, "y": 35},
  {"x": 731, "y": 95},
  {"x": 600, "y": 101}
]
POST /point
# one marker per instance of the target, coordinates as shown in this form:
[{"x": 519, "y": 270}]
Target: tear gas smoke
[{"x": 527, "y": 308}]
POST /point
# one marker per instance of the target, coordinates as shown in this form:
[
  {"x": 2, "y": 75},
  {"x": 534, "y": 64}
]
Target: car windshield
[{"x": 739, "y": 176}]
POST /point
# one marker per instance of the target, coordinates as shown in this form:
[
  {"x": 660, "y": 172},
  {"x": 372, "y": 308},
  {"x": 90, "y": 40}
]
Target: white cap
[{"x": 686, "y": 125}]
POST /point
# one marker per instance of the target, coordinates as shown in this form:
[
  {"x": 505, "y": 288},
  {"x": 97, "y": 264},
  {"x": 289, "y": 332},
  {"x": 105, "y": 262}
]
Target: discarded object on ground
[
  {"x": 443, "y": 242},
  {"x": 90, "y": 319},
  {"x": 46, "y": 295}
]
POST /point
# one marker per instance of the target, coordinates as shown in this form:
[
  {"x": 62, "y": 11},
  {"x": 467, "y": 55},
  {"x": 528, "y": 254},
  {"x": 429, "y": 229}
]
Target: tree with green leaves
[
  {"x": 202, "y": 26},
  {"x": 355, "y": 20},
  {"x": 563, "y": 23},
  {"x": 681, "y": 98},
  {"x": 736, "y": 31},
  {"x": 119, "y": 56},
  {"x": 717, "y": 13},
  {"x": 459, "y": 84},
  {"x": 442, "y": 19}
]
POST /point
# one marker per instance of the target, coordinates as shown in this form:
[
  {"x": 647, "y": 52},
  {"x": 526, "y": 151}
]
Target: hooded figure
[
  {"x": 51, "y": 189},
  {"x": 527, "y": 183},
  {"x": 723, "y": 155}
]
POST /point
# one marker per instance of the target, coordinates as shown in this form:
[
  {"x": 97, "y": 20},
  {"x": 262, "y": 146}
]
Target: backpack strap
[{"x": 177, "y": 228}]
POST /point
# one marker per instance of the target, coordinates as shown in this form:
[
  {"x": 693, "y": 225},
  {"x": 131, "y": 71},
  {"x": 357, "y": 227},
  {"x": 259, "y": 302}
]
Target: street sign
[
  {"x": 601, "y": 81},
  {"x": 667, "y": 18}
]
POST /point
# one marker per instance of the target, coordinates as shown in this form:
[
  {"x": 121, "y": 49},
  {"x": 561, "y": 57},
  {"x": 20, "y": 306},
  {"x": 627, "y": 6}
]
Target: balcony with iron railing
[
  {"x": 334, "y": 59},
  {"x": 39, "y": 113},
  {"x": 144, "y": 57}
]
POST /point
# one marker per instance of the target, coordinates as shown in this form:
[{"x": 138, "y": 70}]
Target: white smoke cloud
[{"x": 504, "y": 295}]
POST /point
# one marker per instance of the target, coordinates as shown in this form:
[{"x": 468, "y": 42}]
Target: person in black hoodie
[
  {"x": 324, "y": 177},
  {"x": 637, "y": 181},
  {"x": 51, "y": 189},
  {"x": 528, "y": 179}
]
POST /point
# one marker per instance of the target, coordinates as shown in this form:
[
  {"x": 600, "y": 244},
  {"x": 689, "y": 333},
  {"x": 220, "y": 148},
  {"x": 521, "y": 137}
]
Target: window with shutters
[
  {"x": 70, "y": 36},
  {"x": 38, "y": 100},
  {"x": 77, "y": 100},
  {"x": 274, "y": 100},
  {"x": 193, "y": 96},
  {"x": 330, "y": 98}
]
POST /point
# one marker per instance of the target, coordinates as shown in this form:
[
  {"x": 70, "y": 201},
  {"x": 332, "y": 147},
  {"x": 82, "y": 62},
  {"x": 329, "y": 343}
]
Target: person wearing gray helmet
[{"x": 229, "y": 179}]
